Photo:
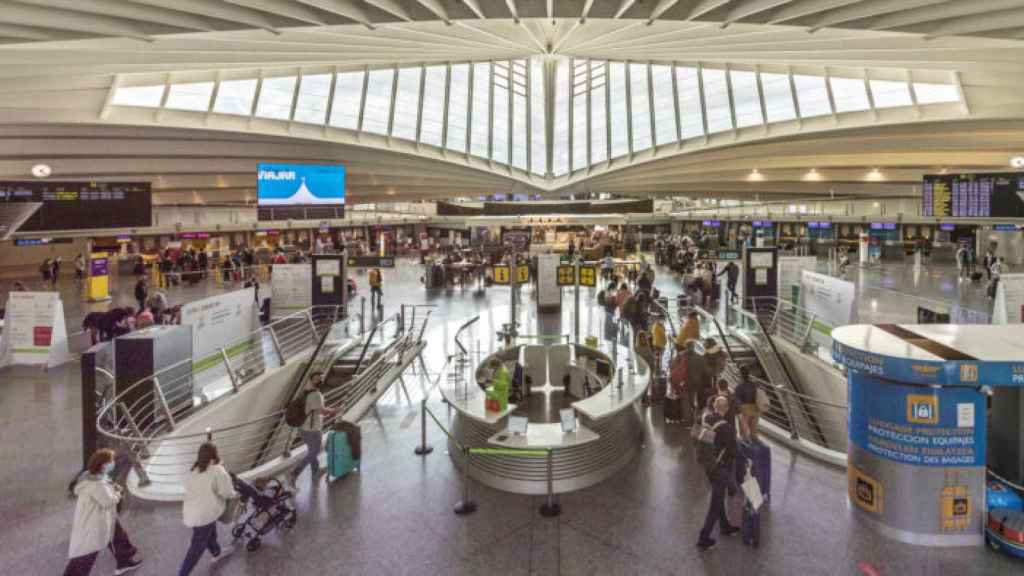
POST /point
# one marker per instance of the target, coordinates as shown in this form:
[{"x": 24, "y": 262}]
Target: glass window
[
  {"x": 276, "y": 98},
  {"x": 778, "y": 98},
  {"x": 312, "y": 105},
  {"x": 432, "y": 125},
  {"x": 928, "y": 93},
  {"x": 378, "y": 101},
  {"x": 520, "y": 146},
  {"x": 191, "y": 96},
  {"x": 235, "y": 97},
  {"x": 348, "y": 95},
  {"x": 148, "y": 96},
  {"x": 561, "y": 127},
  {"x": 620, "y": 126},
  {"x": 538, "y": 131},
  {"x": 889, "y": 94},
  {"x": 640, "y": 100},
  {"x": 499, "y": 134},
  {"x": 716, "y": 100},
  {"x": 745, "y": 99},
  {"x": 849, "y": 94},
  {"x": 458, "y": 108},
  {"x": 664, "y": 105},
  {"x": 598, "y": 112},
  {"x": 690, "y": 102},
  {"x": 407, "y": 104},
  {"x": 480, "y": 136},
  {"x": 580, "y": 137},
  {"x": 812, "y": 95}
]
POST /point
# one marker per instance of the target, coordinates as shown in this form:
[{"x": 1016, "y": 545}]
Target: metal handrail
[
  {"x": 458, "y": 333},
  {"x": 725, "y": 341},
  {"x": 369, "y": 339}
]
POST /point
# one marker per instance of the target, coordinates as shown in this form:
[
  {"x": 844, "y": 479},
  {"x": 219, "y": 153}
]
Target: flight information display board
[
  {"x": 973, "y": 195},
  {"x": 82, "y": 205}
]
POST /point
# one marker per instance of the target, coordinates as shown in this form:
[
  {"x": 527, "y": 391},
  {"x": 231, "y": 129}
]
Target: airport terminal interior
[{"x": 454, "y": 287}]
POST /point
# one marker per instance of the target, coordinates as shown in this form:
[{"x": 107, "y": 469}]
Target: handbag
[
  {"x": 752, "y": 490},
  {"x": 230, "y": 513}
]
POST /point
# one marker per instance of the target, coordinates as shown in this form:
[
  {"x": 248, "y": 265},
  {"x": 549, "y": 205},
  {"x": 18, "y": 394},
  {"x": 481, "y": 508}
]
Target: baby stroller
[{"x": 271, "y": 508}]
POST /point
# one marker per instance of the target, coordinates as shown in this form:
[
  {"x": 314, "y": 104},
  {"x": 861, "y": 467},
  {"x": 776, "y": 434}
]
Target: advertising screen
[
  {"x": 82, "y": 205},
  {"x": 300, "y": 191}
]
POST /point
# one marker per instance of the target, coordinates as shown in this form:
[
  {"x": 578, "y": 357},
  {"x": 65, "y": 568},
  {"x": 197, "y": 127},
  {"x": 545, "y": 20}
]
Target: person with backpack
[
  {"x": 746, "y": 398},
  {"x": 95, "y": 526},
  {"x": 717, "y": 452},
  {"x": 311, "y": 409},
  {"x": 376, "y": 294},
  {"x": 208, "y": 488}
]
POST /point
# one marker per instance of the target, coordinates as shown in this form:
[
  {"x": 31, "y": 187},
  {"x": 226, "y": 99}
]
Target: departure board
[
  {"x": 82, "y": 205},
  {"x": 973, "y": 195}
]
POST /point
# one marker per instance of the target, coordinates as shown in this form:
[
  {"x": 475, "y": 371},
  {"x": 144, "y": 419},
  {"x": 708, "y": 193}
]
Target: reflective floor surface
[{"x": 395, "y": 515}]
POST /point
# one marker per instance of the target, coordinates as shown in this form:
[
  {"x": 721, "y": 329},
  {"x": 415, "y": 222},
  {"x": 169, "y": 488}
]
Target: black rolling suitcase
[
  {"x": 672, "y": 408},
  {"x": 750, "y": 527},
  {"x": 658, "y": 389}
]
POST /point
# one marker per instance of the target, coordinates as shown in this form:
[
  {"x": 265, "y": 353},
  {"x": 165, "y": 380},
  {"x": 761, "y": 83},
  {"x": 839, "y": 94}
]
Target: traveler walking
[
  {"x": 208, "y": 487},
  {"x": 961, "y": 261},
  {"x": 696, "y": 376},
  {"x": 987, "y": 262},
  {"x": 719, "y": 469},
  {"x": 79, "y": 267},
  {"x": 55, "y": 270},
  {"x": 315, "y": 410},
  {"x": 141, "y": 291},
  {"x": 376, "y": 294},
  {"x": 746, "y": 397},
  {"x": 95, "y": 526},
  {"x": 690, "y": 331},
  {"x": 732, "y": 275},
  {"x": 46, "y": 270}
]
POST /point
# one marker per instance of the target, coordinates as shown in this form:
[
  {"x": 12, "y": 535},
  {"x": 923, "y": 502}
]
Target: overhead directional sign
[
  {"x": 371, "y": 262},
  {"x": 501, "y": 274},
  {"x": 566, "y": 275},
  {"x": 522, "y": 274},
  {"x": 588, "y": 276}
]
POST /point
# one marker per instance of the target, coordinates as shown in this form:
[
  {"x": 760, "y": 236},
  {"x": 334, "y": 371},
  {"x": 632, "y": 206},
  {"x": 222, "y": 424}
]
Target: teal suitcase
[{"x": 339, "y": 455}]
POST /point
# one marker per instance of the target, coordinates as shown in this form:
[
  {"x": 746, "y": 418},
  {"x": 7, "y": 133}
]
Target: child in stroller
[{"x": 271, "y": 508}]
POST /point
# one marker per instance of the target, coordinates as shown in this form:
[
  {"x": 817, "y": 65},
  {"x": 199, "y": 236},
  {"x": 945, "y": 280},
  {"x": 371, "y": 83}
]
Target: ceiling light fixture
[
  {"x": 42, "y": 170},
  {"x": 1017, "y": 161}
]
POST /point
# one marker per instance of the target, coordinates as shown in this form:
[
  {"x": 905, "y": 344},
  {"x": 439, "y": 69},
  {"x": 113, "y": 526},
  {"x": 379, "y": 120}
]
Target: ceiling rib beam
[
  {"x": 659, "y": 9},
  {"x": 748, "y": 9},
  {"x": 705, "y": 6},
  {"x": 935, "y": 13},
  {"x": 867, "y": 9},
  {"x": 131, "y": 12},
  {"x": 437, "y": 8},
  {"x": 978, "y": 24},
  {"x": 293, "y": 10},
  {"x": 346, "y": 8},
  {"x": 585, "y": 11},
  {"x": 220, "y": 10},
  {"x": 23, "y": 14},
  {"x": 623, "y": 7},
  {"x": 513, "y": 10},
  {"x": 802, "y": 8},
  {"x": 474, "y": 5},
  {"x": 391, "y": 7},
  {"x": 27, "y": 33}
]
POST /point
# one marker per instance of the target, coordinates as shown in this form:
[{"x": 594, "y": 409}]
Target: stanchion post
[
  {"x": 423, "y": 449},
  {"x": 465, "y": 506},
  {"x": 550, "y": 508}
]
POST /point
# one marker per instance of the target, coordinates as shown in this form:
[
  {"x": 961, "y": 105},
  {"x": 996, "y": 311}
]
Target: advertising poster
[
  {"x": 34, "y": 330},
  {"x": 300, "y": 184},
  {"x": 291, "y": 287},
  {"x": 830, "y": 299},
  {"x": 219, "y": 322},
  {"x": 1009, "y": 302}
]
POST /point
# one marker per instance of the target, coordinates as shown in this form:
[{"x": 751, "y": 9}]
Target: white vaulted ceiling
[{"x": 568, "y": 95}]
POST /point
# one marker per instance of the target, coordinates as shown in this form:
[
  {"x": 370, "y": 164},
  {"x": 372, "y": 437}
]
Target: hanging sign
[
  {"x": 566, "y": 275},
  {"x": 501, "y": 274}
]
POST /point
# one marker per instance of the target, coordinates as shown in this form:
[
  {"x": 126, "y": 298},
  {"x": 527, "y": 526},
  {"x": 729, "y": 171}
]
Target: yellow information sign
[
  {"x": 522, "y": 274},
  {"x": 566, "y": 275},
  {"x": 502, "y": 274},
  {"x": 588, "y": 275}
]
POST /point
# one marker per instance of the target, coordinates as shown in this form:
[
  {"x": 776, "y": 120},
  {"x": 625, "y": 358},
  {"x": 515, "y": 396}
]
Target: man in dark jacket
[
  {"x": 720, "y": 476},
  {"x": 141, "y": 292}
]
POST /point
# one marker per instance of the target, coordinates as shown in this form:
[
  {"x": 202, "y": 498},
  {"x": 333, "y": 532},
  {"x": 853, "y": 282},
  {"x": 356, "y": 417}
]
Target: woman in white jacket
[
  {"x": 207, "y": 488},
  {"x": 95, "y": 526}
]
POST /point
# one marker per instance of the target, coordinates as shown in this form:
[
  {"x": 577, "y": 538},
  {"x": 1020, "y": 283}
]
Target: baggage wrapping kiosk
[
  {"x": 608, "y": 432},
  {"x": 919, "y": 400}
]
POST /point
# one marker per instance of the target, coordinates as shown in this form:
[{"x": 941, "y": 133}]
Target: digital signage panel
[
  {"x": 999, "y": 195},
  {"x": 82, "y": 205},
  {"x": 300, "y": 191}
]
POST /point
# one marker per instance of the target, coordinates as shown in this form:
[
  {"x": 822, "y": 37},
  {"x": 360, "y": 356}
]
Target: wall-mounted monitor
[
  {"x": 300, "y": 191},
  {"x": 947, "y": 227},
  {"x": 712, "y": 223}
]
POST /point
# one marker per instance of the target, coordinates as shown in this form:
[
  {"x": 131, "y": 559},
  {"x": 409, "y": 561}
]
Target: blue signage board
[
  {"x": 300, "y": 184},
  {"x": 919, "y": 426},
  {"x": 711, "y": 223},
  {"x": 763, "y": 224},
  {"x": 1005, "y": 227}
]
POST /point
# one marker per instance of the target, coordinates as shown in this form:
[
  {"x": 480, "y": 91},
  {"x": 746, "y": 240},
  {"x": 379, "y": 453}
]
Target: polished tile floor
[{"x": 395, "y": 515}]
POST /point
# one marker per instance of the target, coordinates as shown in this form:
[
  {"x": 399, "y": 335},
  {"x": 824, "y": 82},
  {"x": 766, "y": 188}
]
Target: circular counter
[{"x": 609, "y": 422}]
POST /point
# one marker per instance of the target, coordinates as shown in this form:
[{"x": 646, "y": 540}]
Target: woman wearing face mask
[
  {"x": 207, "y": 489},
  {"x": 96, "y": 526}
]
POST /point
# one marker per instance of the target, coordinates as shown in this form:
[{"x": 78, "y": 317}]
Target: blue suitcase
[
  {"x": 750, "y": 528},
  {"x": 760, "y": 457},
  {"x": 339, "y": 455}
]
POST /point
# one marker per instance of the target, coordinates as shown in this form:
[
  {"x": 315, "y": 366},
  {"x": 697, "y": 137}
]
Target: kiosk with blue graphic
[{"x": 918, "y": 424}]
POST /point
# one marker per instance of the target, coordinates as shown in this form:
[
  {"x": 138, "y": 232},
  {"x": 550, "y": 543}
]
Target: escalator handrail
[
  {"x": 721, "y": 333},
  {"x": 458, "y": 333},
  {"x": 369, "y": 339}
]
